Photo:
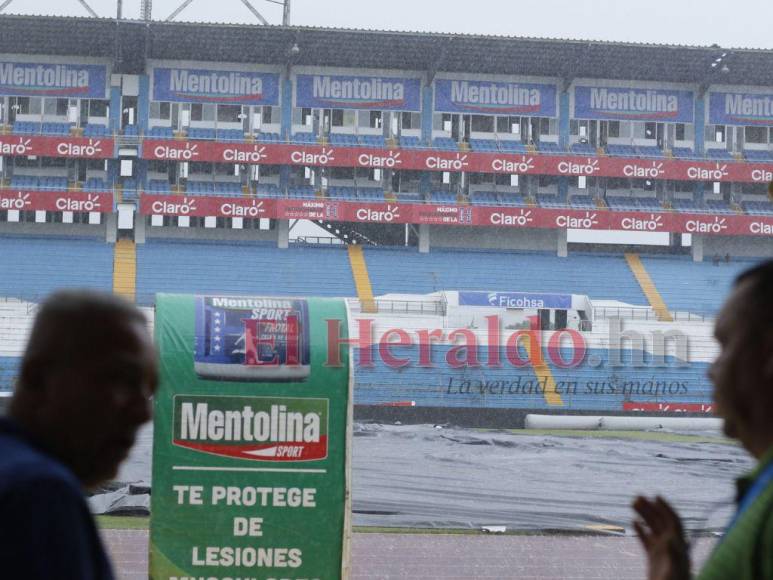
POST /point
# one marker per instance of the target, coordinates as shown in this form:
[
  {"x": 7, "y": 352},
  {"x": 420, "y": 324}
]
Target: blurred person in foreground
[
  {"x": 84, "y": 389},
  {"x": 743, "y": 391}
]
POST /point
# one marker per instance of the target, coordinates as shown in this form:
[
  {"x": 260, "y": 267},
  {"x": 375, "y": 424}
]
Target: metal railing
[
  {"x": 437, "y": 308},
  {"x": 603, "y": 313}
]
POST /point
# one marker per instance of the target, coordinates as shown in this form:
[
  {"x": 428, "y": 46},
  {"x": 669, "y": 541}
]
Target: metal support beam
[
  {"x": 119, "y": 10},
  {"x": 88, "y": 8},
  {"x": 286, "y": 14},
  {"x": 5, "y": 4},
  {"x": 254, "y": 10},
  {"x": 180, "y": 8},
  {"x": 146, "y": 9}
]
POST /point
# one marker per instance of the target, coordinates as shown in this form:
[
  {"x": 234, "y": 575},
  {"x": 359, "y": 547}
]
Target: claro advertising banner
[
  {"x": 215, "y": 86},
  {"x": 740, "y": 109},
  {"x": 397, "y": 212},
  {"x": 495, "y": 98},
  {"x": 76, "y": 81},
  {"x": 456, "y": 161},
  {"x": 633, "y": 104},
  {"x": 251, "y": 440},
  {"x": 322, "y": 91}
]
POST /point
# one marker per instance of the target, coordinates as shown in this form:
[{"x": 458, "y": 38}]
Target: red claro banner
[
  {"x": 456, "y": 215},
  {"x": 456, "y": 161},
  {"x": 75, "y": 201},
  {"x": 43, "y": 146}
]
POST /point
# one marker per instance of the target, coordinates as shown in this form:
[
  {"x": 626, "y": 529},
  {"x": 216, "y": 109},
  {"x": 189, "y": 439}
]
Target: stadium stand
[
  {"x": 34, "y": 266},
  {"x": 689, "y": 286},
  {"x": 201, "y": 267},
  {"x": 399, "y": 270}
]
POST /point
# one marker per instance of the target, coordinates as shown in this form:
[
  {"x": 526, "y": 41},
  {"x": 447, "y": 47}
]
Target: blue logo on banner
[
  {"x": 78, "y": 81},
  {"x": 215, "y": 86},
  {"x": 740, "y": 109},
  {"x": 495, "y": 98},
  {"x": 633, "y": 104},
  {"x": 349, "y": 92},
  {"x": 516, "y": 300}
]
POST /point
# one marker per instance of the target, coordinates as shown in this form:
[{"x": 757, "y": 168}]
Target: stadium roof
[{"x": 130, "y": 43}]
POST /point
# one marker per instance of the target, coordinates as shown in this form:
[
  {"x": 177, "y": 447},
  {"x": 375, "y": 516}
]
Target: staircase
[{"x": 125, "y": 269}]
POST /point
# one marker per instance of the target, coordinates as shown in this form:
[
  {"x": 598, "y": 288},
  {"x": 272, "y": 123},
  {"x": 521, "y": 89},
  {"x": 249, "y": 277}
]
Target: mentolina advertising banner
[
  {"x": 633, "y": 104},
  {"x": 76, "y": 81},
  {"x": 495, "y": 98},
  {"x": 225, "y": 87},
  {"x": 252, "y": 439},
  {"x": 323, "y": 91},
  {"x": 734, "y": 108}
]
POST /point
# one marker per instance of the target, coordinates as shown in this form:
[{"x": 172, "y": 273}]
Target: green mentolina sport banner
[{"x": 252, "y": 436}]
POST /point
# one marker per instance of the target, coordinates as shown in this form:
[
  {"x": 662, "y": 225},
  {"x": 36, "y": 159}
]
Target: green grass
[
  {"x": 630, "y": 435},
  {"x": 123, "y": 522}
]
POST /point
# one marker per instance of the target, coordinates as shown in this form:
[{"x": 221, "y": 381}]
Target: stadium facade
[{"x": 150, "y": 156}]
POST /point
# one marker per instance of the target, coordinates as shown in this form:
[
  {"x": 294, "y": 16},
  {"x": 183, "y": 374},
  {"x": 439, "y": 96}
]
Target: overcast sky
[{"x": 736, "y": 23}]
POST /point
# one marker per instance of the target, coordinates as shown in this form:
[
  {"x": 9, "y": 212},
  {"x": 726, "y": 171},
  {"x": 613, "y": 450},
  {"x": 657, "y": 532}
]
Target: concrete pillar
[
  {"x": 426, "y": 114},
  {"x": 424, "y": 238},
  {"x": 143, "y": 103},
  {"x": 139, "y": 228},
  {"x": 697, "y": 248},
  {"x": 563, "y": 243},
  {"x": 700, "y": 123},
  {"x": 287, "y": 108},
  {"x": 563, "y": 119},
  {"x": 115, "y": 107},
  {"x": 111, "y": 227},
  {"x": 283, "y": 234}
]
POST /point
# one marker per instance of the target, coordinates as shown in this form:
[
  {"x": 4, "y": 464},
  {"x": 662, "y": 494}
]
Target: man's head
[
  {"x": 743, "y": 371},
  {"x": 85, "y": 382}
]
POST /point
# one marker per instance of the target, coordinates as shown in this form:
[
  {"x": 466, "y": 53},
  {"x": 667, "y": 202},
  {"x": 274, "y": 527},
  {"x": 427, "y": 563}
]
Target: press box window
[
  {"x": 160, "y": 110},
  {"x": 482, "y": 124},
  {"x": 613, "y": 129},
  {"x": 756, "y": 135},
  {"x": 229, "y": 113}
]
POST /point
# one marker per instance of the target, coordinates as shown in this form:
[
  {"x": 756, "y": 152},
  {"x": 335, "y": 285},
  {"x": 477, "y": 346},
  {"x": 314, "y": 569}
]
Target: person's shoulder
[{"x": 23, "y": 464}]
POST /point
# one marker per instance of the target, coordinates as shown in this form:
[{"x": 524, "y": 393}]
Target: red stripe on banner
[{"x": 278, "y": 451}]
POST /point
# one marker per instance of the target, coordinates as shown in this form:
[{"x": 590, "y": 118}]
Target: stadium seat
[
  {"x": 409, "y": 196},
  {"x": 131, "y": 130},
  {"x": 622, "y": 150},
  {"x": 344, "y": 193},
  {"x": 445, "y": 143},
  {"x": 484, "y": 198},
  {"x": 306, "y": 138},
  {"x": 201, "y": 133},
  {"x": 758, "y": 155},
  {"x": 42, "y": 265},
  {"x": 513, "y": 199},
  {"x": 686, "y": 205},
  {"x": 582, "y": 202},
  {"x": 343, "y": 139},
  {"x": 651, "y": 151},
  {"x": 159, "y": 186},
  {"x": 372, "y": 141},
  {"x": 550, "y": 148},
  {"x": 719, "y": 206},
  {"x": 683, "y": 153},
  {"x": 269, "y": 137},
  {"x": 92, "y": 130},
  {"x": 484, "y": 145},
  {"x": 582, "y": 149},
  {"x": 370, "y": 194},
  {"x": 512, "y": 146},
  {"x": 239, "y": 268},
  {"x": 443, "y": 197},
  {"x": 160, "y": 133},
  {"x": 758, "y": 207},
  {"x": 26, "y": 128},
  {"x": 301, "y": 192},
  {"x": 719, "y": 153},
  {"x": 550, "y": 201},
  {"x": 58, "y": 129},
  {"x": 410, "y": 142},
  {"x": 95, "y": 184},
  {"x": 268, "y": 190},
  {"x": 633, "y": 203},
  {"x": 230, "y": 135}
]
